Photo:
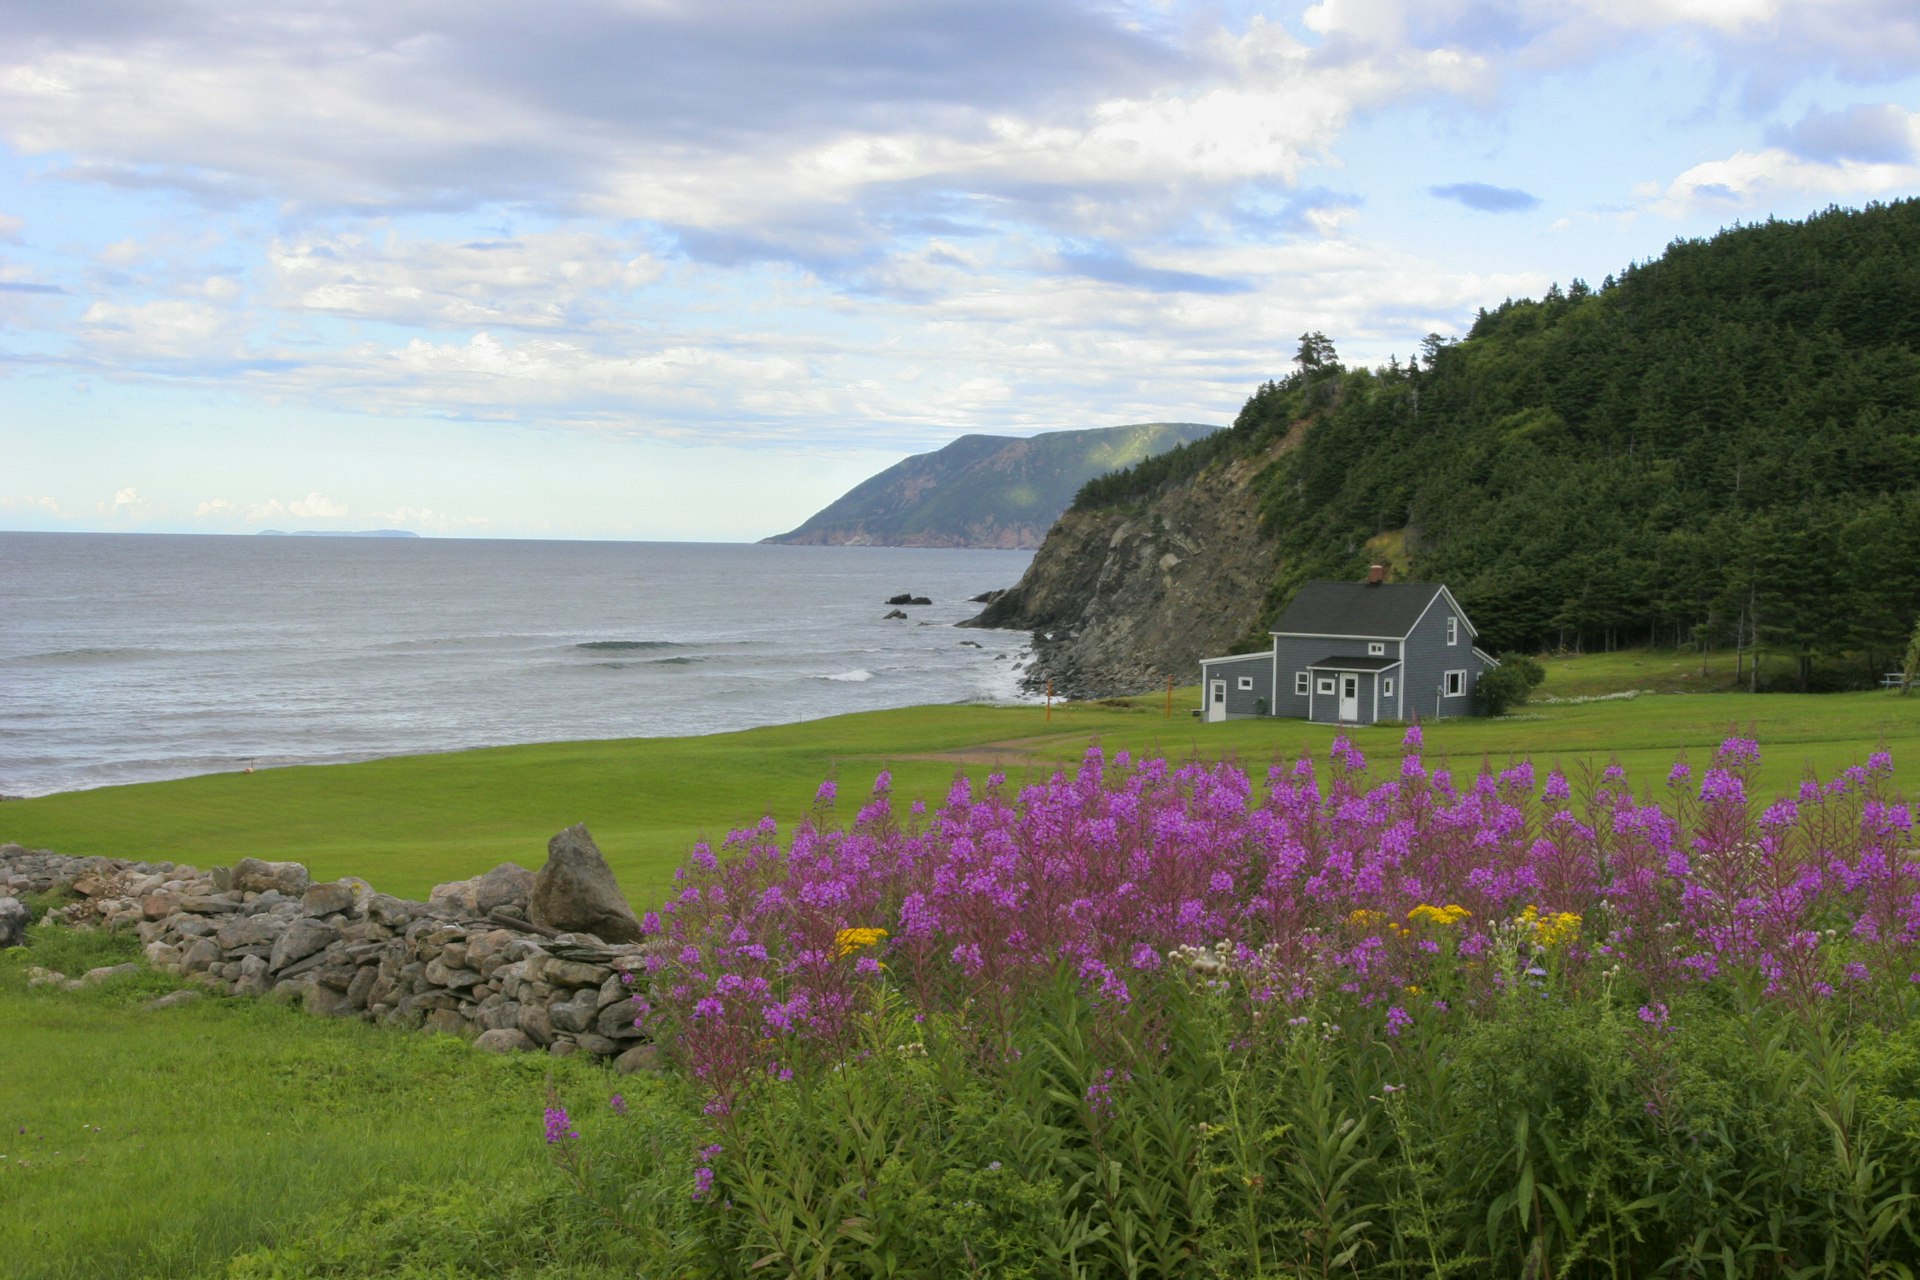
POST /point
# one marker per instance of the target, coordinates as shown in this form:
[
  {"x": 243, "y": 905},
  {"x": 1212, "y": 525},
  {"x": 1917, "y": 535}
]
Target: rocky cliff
[{"x": 1119, "y": 600}]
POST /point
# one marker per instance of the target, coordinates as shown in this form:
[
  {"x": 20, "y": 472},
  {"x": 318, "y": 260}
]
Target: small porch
[{"x": 1349, "y": 689}]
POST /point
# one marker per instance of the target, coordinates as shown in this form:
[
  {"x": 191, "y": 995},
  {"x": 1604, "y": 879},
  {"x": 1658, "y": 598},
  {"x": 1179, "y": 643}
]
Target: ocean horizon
[{"x": 142, "y": 657}]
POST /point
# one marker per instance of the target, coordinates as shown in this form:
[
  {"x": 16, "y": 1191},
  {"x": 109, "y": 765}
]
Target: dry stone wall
[{"x": 472, "y": 960}]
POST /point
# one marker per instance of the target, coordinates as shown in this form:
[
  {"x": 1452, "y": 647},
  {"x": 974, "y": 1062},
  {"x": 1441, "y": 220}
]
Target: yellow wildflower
[
  {"x": 1451, "y": 914},
  {"x": 1364, "y": 918},
  {"x": 848, "y": 941},
  {"x": 1551, "y": 929}
]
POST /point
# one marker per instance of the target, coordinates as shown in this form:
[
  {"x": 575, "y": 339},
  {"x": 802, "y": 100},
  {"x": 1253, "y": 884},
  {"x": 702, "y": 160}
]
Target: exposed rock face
[
  {"x": 576, "y": 892},
  {"x": 1120, "y": 601}
]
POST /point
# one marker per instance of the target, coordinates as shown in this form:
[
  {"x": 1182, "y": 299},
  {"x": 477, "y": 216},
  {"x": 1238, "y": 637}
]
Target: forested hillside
[
  {"x": 1721, "y": 446},
  {"x": 984, "y": 491}
]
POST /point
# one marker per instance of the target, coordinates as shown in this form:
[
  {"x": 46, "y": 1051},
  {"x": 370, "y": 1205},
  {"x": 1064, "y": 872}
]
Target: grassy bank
[
  {"x": 138, "y": 1143},
  {"x": 408, "y": 823}
]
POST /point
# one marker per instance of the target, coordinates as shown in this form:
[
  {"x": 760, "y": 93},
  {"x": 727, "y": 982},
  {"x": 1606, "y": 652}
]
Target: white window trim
[
  {"x": 1386, "y": 686},
  {"x": 1453, "y": 631},
  {"x": 1220, "y": 691},
  {"x": 1302, "y": 684},
  {"x": 1376, "y": 648},
  {"x": 1325, "y": 685},
  {"x": 1456, "y": 685},
  {"x": 1246, "y": 684}
]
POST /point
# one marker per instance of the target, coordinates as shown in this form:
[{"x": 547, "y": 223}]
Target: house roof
[
  {"x": 1386, "y": 609},
  {"x": 1338, "y": 663}
]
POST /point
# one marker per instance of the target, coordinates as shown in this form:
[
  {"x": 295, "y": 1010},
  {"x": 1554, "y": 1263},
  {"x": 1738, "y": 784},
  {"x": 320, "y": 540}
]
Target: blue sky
[{"x": 666, "y": 269}]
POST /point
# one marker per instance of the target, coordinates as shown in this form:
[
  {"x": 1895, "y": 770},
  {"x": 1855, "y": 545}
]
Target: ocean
[{"x": 132, "y": 658}]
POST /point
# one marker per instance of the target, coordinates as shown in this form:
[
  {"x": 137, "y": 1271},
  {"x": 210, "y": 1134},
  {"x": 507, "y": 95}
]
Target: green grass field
[
  {"x": 241, "y": 1139},
  {"x": 407, "y": 823}
]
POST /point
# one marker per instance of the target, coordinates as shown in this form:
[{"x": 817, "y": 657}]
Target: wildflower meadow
[{"x": 1350, "y": 1018}]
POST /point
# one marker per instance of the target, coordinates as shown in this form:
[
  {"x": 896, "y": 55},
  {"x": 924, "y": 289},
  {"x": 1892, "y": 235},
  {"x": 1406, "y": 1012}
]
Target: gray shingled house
[{"x": 1355, "y": 653}]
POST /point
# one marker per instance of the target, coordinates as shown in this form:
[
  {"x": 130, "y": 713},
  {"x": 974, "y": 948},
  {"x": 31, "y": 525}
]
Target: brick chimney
[{"x": 1376, "y": 574}]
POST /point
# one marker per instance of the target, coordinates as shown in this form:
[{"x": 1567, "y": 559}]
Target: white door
[
  {"x": 1217, "y": 701},
  {"x": 1349, "y": 698}
]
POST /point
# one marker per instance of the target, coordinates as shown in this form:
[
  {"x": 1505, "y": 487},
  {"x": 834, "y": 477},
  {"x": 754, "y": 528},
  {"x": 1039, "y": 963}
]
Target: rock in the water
[
  {"x": 891, "y": 615},
  {"x": 908, "y": 598},
  {"x": 13, "y": 922},
  {"x": 576, "y": 891},
  {"x": 505, "y": 1040}
]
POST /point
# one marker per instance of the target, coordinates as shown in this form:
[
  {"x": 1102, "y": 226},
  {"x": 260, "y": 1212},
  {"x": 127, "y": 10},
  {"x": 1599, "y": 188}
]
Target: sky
[{"x": 689, "y": 269}]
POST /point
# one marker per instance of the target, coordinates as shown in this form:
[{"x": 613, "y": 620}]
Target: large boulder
[
  {"x": 576, "y": 892},
  {"x": 13, "y": 922}
]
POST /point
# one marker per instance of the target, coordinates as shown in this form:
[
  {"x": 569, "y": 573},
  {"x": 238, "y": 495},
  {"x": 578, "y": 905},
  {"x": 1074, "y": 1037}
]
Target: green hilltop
[
  {"x": 1717, "y": 448},
  {"x": 984, "y": 491}
]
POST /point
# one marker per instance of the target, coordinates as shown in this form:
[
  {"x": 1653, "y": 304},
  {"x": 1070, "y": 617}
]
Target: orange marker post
[
  {"x": 1169, "y": 697},
  {"x": 1049, "y": 702}
]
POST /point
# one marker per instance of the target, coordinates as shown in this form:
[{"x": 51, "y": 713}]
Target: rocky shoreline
[{"x": 517, "y": 960}]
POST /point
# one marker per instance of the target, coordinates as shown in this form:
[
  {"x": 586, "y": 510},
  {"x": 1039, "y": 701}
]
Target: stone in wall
[{"x": 464, "y": 962}]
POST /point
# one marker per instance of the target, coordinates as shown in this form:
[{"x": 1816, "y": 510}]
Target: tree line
[{"x": 1718, "y": 448}]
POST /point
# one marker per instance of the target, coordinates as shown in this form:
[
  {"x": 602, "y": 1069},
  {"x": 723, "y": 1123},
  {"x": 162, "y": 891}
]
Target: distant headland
[{"x": 338, "y": 533}]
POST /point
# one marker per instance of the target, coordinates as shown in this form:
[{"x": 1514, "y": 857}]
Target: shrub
[{"x": 1507, "y": 685}]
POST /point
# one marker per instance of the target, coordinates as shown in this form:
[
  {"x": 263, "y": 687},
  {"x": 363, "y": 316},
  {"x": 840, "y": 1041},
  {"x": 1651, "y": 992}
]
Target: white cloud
[
  {"x": 11, "y": 225},
  {"x": 314, "y": 506},
  {"x": 1775, "y": 177},
  {"x": 33, "y": 506},
  {"x": 219, "y": 508},
  {"x": 420, "y": 519},
  {"x": 128, "y": 505},
  {"x": 542, "y": 281}
]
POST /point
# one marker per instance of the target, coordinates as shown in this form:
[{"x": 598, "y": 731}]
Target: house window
[
  {"x": 1300, "y": 683},
  {"x": 1453, "y": 631},
  {"x": 1377, "y": 648},
  {"x": 1386, "y": 687},
  {"x": 1219, "y": 690},
  {"x": 1456, "y": 683},
  {"x": 1246, "y": 684},
  {"x": 1326, "y": 684}
]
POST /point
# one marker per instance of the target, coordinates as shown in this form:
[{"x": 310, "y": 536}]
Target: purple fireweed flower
[
  {"x": 559, "y": 1127},
  {"x": 702, "y": 1182},
  {"x": 1556, "y": 789},
  {"x": 1654, "y": 1015},
  {"x": 825, "y": 795},
  {"x": 1398, "y": 1020},
  {"x": 1735, "y": 751},
  {"x": 1677, "y": 776},
  {"x": 1412, "y": 739},
  {"x": 1724, "y": 787},
  {"x": 619, "y": 1104}
]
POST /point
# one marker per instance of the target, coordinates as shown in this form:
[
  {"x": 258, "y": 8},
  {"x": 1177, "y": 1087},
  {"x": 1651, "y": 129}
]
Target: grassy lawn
[
  {"x": 143, "y": 1143},
  {"x": 408, "y": 823},
  {"x": 242, "y": 1139}
]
